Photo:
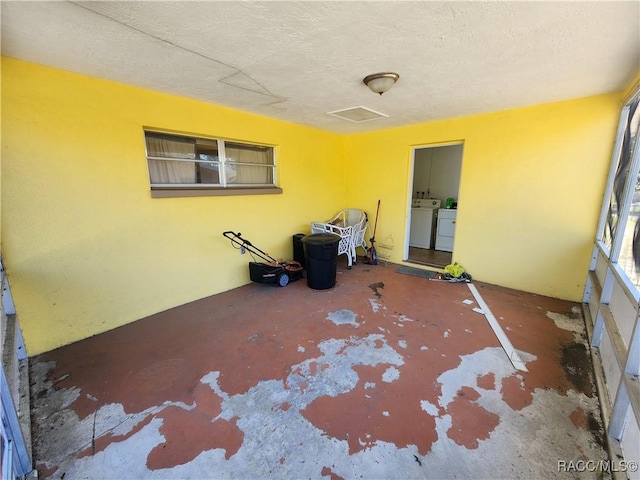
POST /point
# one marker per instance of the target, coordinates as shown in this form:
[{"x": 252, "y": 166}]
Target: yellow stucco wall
[
  {"x": 530, "y": 189},
  {"x": 86, "y": 247}
]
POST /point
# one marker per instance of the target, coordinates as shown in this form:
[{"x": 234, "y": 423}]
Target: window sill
[{"x": 168, "y": 192}]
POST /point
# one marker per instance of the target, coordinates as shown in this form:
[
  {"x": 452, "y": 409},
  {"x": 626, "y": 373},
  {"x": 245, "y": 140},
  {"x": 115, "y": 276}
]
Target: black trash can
[
  {"x": 298, "y": 249},
  {"x": 321, "y": 258}
]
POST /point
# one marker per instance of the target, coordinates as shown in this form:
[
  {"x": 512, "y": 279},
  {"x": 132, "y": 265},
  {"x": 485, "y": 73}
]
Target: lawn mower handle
[{"x": 235, "y": 236}]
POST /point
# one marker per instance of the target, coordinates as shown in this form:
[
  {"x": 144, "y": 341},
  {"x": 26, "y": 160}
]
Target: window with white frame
[
  {"x": 182, "y": 162},
  {"x": 621, "y": 234},
  {"x": 612, "y": 289}
]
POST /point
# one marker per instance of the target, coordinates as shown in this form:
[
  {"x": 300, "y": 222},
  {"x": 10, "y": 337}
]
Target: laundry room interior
[{"x": 434, "y": 204}]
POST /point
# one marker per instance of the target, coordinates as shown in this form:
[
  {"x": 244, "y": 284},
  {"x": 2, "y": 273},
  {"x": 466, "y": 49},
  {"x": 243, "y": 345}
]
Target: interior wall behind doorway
[{"x": 437, "y": 171}]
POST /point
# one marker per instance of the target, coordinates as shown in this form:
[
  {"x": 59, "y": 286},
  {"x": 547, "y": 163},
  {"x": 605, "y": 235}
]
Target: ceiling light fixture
[{"x": 380, "y": 82}]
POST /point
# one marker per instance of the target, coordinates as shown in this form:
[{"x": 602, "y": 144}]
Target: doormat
[{"x": 416, "y": 272}]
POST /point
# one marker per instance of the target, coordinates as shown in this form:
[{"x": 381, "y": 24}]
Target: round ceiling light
[{"x": 380, "y": 82}]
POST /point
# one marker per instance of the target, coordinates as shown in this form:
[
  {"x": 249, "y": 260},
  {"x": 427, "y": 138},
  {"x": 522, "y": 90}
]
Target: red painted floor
[{"x": 383, "y": 376}]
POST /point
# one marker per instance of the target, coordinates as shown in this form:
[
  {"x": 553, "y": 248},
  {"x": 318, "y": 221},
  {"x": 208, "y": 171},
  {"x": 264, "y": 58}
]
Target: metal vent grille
[{"x": 357, "y": 114}]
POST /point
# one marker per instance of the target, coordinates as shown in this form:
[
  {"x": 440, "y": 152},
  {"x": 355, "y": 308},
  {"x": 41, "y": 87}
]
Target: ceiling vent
[{"x": 357, "y": 114}]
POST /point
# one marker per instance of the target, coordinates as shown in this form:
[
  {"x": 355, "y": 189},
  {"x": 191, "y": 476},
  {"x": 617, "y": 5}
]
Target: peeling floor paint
[
  {"x": 572, "y": 322},
  {"x": 411, "y": 384},
  {"x": 344, "y": 317}
]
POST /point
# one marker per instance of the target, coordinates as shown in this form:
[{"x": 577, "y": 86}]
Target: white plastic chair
[{"x": 350, "y": 225}]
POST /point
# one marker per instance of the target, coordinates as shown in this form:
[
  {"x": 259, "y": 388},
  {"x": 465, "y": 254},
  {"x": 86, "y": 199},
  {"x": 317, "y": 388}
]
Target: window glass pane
[
  {"x": 612, "y": 222},
  {"x": 171, "y": 172},
  {"x": 207, "y": 149},
  {"x": 629, "y": 259},
  {"x": 168, "y": 172},
  {"x": 239, "y": 153},
  {"x": 630, "y": 253},
  {"x": 170, "y": 146},
  {"x": 248, "y": 174},
  {"x": 209, "y": 173},
  {"x": 621, "y": 175}
]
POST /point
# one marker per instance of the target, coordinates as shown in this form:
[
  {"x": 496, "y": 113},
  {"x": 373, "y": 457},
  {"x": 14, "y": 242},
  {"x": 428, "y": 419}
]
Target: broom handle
[{"x": 373, "y": 239}]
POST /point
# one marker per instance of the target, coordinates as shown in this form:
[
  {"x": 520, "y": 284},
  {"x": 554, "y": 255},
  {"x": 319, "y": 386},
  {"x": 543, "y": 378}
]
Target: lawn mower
[{"x": 274, "y": 271}]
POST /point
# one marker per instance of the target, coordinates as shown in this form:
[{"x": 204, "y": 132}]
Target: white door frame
[{"x": 412, "y": 168}]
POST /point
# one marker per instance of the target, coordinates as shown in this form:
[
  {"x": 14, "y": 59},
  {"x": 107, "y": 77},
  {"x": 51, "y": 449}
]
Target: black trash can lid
[{"x": 321, "y": 238}]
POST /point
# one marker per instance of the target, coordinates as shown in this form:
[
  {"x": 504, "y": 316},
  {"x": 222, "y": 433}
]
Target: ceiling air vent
[{"x": 357, "y": 114}]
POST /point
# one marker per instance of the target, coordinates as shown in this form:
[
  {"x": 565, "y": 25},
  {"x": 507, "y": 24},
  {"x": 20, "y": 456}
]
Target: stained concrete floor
[{"x": 383, "y": 376}]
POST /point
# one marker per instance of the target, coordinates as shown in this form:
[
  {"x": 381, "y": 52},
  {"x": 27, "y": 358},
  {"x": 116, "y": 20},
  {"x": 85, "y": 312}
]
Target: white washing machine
[{"x": 423, "y": 212}]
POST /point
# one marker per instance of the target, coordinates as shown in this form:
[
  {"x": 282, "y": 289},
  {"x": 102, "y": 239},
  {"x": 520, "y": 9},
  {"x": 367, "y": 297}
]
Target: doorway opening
[{"x": 433, "y": 202}]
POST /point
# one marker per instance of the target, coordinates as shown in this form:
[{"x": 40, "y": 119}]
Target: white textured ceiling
[{"x": 299, "y": 60}]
